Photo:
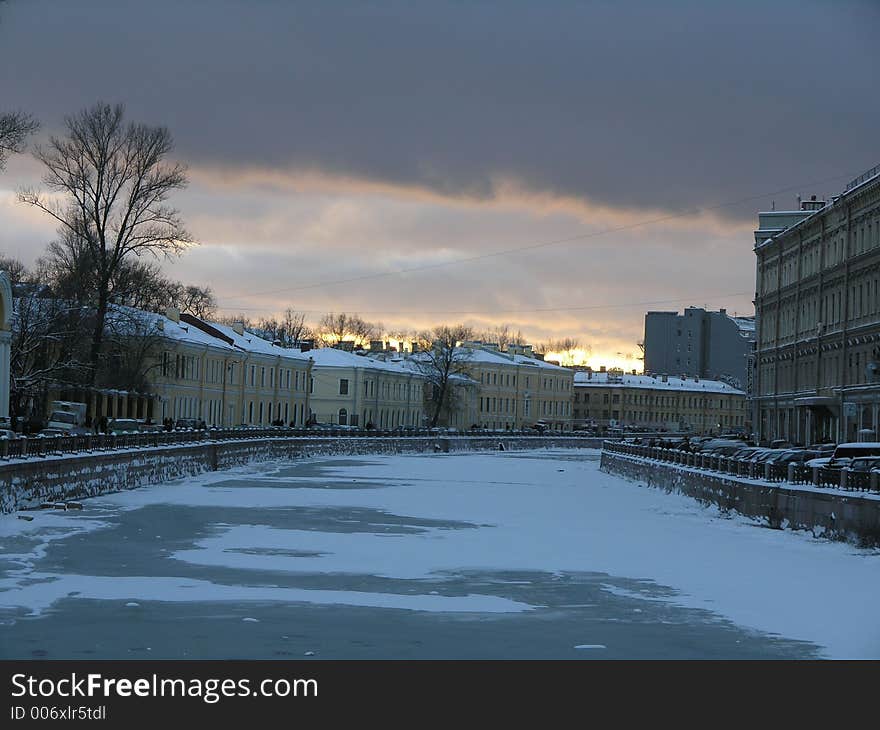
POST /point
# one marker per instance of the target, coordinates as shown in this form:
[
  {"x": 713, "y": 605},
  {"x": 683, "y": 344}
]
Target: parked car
[
  {"x": 8, "y": 433},
  {"x": 182, "y": 423},
  {"x": 781, "y": 444},
  {"x": 793, "y": 456},
  {"x": 864, "y": 464},
  {"x": 845, "y": 453}
]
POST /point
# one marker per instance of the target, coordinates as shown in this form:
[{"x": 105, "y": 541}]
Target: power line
[
  {"x": 545, "y": 244},
  {"x": 608, "y": 305}
]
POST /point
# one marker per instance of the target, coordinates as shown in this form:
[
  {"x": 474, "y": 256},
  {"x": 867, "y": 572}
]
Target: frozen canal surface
[{"x": 499, "y": 555}]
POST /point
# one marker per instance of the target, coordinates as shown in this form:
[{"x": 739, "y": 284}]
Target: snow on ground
[{"x": 551, "y": 512}]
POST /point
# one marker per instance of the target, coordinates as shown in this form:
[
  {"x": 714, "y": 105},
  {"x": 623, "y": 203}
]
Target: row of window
[
  {"x": 508, "y": 405},
  {"x": 865, "y": 235},
  {"x": 179, "y": 366},
  {"x": 789, "y": 376},
  {"x": 863, "y": 300},
  {"x": 385, "y": 418},
  {"x": 509, "y": 380},
  {"x": 658, "y": 400},
  {"x": 388, "y": 390},
  {"x": 663, "y": 417}
]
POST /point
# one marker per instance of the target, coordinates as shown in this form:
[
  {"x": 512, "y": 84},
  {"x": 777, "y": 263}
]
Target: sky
[{"x": 560, "y": 167}]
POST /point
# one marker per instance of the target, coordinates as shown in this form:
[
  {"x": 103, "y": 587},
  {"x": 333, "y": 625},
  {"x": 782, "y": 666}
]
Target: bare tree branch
[
  {"x": 114, "y": 184},
  {"x": 15, "y": 127}
]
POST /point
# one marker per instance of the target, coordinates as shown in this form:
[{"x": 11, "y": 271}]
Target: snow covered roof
[
  {"x": 492, "y": 357},
  {"x": 649, "y": 382},
  {"x": 249, "y": 342},
  {"x": 329, "y": 357},
  {"x": 534, "y": 362},
  {"x": 162, "y": 326}
]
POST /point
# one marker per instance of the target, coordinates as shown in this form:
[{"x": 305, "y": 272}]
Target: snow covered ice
[{"x": 508, "y": 555}]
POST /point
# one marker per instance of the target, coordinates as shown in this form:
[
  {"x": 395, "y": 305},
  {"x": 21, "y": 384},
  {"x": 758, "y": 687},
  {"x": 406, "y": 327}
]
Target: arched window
[{"x": 343, "y": 417}]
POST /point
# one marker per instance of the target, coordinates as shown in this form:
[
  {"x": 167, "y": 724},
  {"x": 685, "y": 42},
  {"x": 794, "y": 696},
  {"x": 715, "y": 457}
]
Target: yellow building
[
  {"x": 657, "y": 402},
  {"x": 516, "y": 389},
  {"x": 225, "y": 375},
  {"x": 356, "y": 390}
]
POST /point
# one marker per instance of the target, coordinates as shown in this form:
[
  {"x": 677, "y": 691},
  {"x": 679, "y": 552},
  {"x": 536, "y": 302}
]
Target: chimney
[
  {"x": 414, "y": 346},
  {"x": 173, "y": 313},
  {"x": 306, "y": 345},
  {"x": 527, "y": 350},
  {"x": 238, "y": 328},
  {"x": 722, "y": 311},
  {"x": 601, "y": 368}
]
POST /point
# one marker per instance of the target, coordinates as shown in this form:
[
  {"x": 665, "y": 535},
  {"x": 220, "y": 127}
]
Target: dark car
[{"x": 182, "y": 423}]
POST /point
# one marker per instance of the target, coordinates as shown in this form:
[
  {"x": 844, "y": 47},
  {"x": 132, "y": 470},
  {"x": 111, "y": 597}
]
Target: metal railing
[
  {"x": 852, "y": 481},
  {"x": 46, "y": 446}
]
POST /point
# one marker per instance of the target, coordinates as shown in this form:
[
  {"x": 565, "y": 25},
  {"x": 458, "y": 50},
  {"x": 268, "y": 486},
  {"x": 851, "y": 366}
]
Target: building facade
[
  {"x": 699, "y": 344},
  {"x": 609, "y": 399},
  {"x": 817, "y": 303},
  {"x": 516, "y": 389},
  {"x": 356, "y": 390},
  {"x": 226, "y": 376}
]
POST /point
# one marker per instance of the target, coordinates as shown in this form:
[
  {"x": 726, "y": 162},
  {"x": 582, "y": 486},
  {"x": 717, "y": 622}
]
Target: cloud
[
  {"x": 638, "y": 105},
  {"x": 332, "y": 142}
]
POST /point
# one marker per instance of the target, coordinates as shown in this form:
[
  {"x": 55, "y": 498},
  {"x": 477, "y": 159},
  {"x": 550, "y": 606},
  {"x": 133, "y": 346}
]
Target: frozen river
[{"x": 494, "y": 555}]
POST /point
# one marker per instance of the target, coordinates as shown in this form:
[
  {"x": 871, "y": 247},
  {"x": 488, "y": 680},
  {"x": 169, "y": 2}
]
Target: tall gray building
[{"x": 699, "y": 344}]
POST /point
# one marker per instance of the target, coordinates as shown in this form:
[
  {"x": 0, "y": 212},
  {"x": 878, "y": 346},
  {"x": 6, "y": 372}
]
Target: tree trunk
[
  {"x": 439, "y": 405},
  {"x": 98, "y": 335}
]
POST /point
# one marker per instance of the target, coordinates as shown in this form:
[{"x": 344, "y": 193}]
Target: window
[
  {"x": 343, "y": 416},
  {"x": 343, "y": 387}
]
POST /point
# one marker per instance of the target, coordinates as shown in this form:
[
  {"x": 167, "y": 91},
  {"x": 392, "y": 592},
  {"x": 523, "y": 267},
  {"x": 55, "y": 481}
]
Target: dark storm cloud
[{"x": 660, "y": 105}]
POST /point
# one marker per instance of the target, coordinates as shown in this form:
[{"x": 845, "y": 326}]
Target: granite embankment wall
[
  {"x": 825, "y": 513},
  {"x": 31, "y": 482}
]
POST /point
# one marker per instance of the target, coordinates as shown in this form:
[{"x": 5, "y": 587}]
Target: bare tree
[
  {"x": 114, "y": 183},
  {"x": 133, "y": 344},
  {"x": 439, "y": 359},
  {"x": 231, "y": 319},
  {"x": 338, "y": 327},
  {"x": 15, "y": 270},
  {"x": 502, "y": 335},
  {"x": 46, "y": 348},
  {"x": 68, "y": 267},
  {"x": 195, "y": 300},
  {"x": 295, "y": 327},
  {"x": 15, "y": 127}
]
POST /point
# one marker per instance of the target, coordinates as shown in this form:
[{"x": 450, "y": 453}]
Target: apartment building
[
  {"x": 817, "y": 304},
  {"x": 517, "y": 389},
  {"x": 263, "y": 384},
  {"x": 355, "y": 390},
  {"x": 657, "y": 402},
  {"x": 225, "y": 376}
]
